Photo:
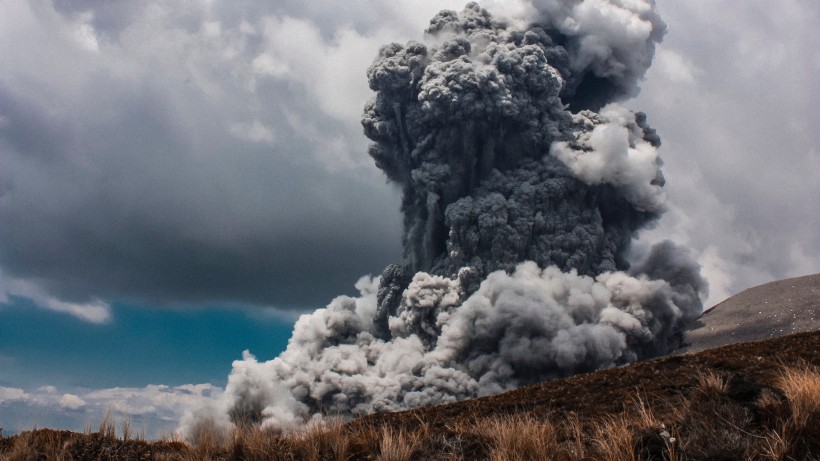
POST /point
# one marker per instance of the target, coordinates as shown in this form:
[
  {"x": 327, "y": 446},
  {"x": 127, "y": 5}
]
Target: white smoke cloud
[
  {"x": 518, "y": 328},
  {"x": 613, "y": 38},
  {"x": 615, "y": 152}
]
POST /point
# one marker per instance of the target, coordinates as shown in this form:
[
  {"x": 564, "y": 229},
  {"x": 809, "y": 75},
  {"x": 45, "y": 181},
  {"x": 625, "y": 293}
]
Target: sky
[{"x": 179, "y": 181}]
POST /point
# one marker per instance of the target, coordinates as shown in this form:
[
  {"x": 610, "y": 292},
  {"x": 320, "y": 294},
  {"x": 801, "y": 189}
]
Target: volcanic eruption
[{"x": 524, "y": 182}]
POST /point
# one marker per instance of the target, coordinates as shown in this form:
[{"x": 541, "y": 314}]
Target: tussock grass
[
  {"x": 802, "y": 389},
  {"x": 323, "y": 440},
  {"x": 721, "y": 416},
  {"x": 612, "y": 439},
  {"x": 36, "y": 445},
  {"x": 711, "y": 383},
  {"x": 800, "y": 435},
  {"x": 520, "y": 438},
  {"x": 397, "y": 444}
]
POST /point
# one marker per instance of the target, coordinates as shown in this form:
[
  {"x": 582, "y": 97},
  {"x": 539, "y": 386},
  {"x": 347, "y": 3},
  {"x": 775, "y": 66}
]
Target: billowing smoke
[{"x": 524, "y": 183}]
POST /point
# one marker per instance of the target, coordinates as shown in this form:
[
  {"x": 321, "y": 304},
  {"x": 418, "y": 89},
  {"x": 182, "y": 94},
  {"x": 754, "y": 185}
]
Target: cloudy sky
[{"x": 179, "y": 180}]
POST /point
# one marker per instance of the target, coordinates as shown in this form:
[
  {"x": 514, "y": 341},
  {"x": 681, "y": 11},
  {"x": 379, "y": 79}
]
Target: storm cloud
[{"x": 166, "y": 156}]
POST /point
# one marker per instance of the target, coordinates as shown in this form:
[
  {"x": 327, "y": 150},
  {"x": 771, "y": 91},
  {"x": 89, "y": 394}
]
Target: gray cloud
[
  {"x": 732, "y": 92},
  {"x": 145, "y": 159}
]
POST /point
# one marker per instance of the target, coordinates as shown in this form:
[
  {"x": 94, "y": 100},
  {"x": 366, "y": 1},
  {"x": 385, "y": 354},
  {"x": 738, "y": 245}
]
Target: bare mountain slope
[{"x": 765, "y": 311}]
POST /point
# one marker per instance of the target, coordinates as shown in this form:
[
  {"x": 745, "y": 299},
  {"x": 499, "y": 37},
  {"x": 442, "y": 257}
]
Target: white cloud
[
  {"x": 155, "y": 408},
  {"x": 93, "y": 312},
  {"x": 71, "y": 402},
  {"x": 254, "y": 132},
  {"x": 12, "y": 393},
  {"x": 267, "y": 65},
  {"x": 85, "y": 34},
  {"x": 674, "y": 67}
]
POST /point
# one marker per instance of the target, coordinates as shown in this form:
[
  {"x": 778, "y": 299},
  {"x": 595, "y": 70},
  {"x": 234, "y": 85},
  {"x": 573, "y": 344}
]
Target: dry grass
[
  {"x": 208, "y": 440},
  {"x": 612, "y": 439},
  {"x": 802, "y": 389},
  {"x": 800, "y": 434},
  {"x": 574, "y": 438},
  {"x": 711, "y": 383},
  {"x": 719, "y": 416},
  {"x": 519, "y": 438},
  {"x": 326, "y": 440},
  {"x": 35, "y": 445},
  {"x": 398, "y": 444}
]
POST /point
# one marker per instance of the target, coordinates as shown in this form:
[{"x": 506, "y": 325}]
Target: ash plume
[{"x": 524, "y": 183}]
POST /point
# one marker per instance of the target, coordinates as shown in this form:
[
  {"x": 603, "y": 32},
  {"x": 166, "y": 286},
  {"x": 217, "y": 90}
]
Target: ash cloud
[{"x": 524, "y": 182}]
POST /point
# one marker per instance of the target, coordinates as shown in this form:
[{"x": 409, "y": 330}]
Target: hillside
[
  {"x": 772, "y": 309},
  {"x": 750, "y": 400},
  {"x": 662, "y": 384}
]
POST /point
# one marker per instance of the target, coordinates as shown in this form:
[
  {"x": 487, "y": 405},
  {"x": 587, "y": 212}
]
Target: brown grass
[
  {"x": 519, "y": 438},
  {"x": 802, "y": 389},
  {"x": 711, "y": 383},
  {"x": 720, "y": 414},
  {"x": 800, "y": 435},
  {"x": 397, "y": 444},
  {"x": 612, "y": 439}
]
